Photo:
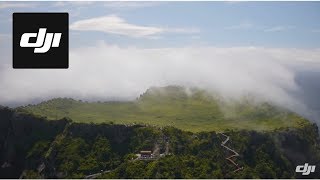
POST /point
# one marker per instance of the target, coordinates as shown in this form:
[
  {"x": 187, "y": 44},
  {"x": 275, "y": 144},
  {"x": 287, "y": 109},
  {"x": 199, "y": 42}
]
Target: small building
[{"x": 145, "y": 154}]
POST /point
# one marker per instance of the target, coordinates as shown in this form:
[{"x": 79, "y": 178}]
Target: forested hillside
[{"x": 34, "y": 147}]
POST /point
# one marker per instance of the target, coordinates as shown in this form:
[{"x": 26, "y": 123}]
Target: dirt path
[
  {"x": 233, "y": 156},
  {"x": 156, "y": 151},
  {"x": 93, "y": 176},
  {"x": 167, "y": 148}
]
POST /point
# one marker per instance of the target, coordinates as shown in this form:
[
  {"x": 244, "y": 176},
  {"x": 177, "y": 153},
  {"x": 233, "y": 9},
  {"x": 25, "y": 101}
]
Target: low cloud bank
[{"x": 106, "y": 72}]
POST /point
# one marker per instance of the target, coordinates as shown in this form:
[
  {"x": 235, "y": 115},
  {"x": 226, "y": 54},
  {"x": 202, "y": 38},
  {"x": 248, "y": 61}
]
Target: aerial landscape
[{"x": 205, "y": 90}]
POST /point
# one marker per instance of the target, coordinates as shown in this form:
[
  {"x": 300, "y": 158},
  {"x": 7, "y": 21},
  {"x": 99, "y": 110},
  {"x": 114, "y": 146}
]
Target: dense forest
[{"x": 33, "y": 147}]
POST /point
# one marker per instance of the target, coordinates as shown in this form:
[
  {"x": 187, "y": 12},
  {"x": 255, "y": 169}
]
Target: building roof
[{"x": 145, "y": 152}]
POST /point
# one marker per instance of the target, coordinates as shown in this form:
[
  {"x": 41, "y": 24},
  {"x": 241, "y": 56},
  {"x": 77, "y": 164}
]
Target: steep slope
[
  {"x": 188, "y": 109},
  {"x": 36, "y": 148},
  {"x": 18, "y": 134}
]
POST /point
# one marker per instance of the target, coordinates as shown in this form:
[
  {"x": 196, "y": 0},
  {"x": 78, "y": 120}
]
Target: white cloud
[
  {"x": 278, "y": 28},
  {"x": 60, "y": 4},
  {"x": 233, "y": 2},
  {"x": 105, "y": 72},
  {"x": 247, "y": 25},
  {"x": 115, "y": 25},
  {"x": 183, "y": 30},
  {"x": 129, "y": 5},
  {"x": 72, "y": 3},
  {"x": 116, "y": 5},
  {"x": 4, "y": 5},
  {"x": 240, "y": 26}
]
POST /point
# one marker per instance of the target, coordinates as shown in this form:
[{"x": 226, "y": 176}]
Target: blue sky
[{"x": 220, "y": 24}]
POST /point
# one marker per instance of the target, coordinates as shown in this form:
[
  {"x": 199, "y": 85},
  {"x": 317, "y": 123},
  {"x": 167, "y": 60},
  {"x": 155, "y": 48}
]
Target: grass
[{"x": 173, "y": 106}]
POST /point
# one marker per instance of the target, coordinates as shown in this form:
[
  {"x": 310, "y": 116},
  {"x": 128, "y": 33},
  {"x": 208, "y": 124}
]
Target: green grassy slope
[{"x": 192, "y": 110}]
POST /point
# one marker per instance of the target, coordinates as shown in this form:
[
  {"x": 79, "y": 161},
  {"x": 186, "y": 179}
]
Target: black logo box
[{"x": 24, "y": 57}]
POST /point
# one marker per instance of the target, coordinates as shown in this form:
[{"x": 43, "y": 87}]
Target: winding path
[
  {"x": 234, "y": 155},
  {"x": 93, "y": 176}
]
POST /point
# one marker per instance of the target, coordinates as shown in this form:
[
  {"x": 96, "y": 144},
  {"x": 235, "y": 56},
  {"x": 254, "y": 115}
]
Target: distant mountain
[{"x": 189, "y": 109}]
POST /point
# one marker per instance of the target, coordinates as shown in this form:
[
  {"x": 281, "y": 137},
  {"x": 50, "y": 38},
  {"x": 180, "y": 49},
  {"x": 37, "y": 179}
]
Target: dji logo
[
  {"x": 44, "y": 40},
  {"x": 40, "y": 40},
  {"x": 305, "y": 169}
]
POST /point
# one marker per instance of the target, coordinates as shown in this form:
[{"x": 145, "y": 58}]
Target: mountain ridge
[{"x": 190, "y": 109}]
